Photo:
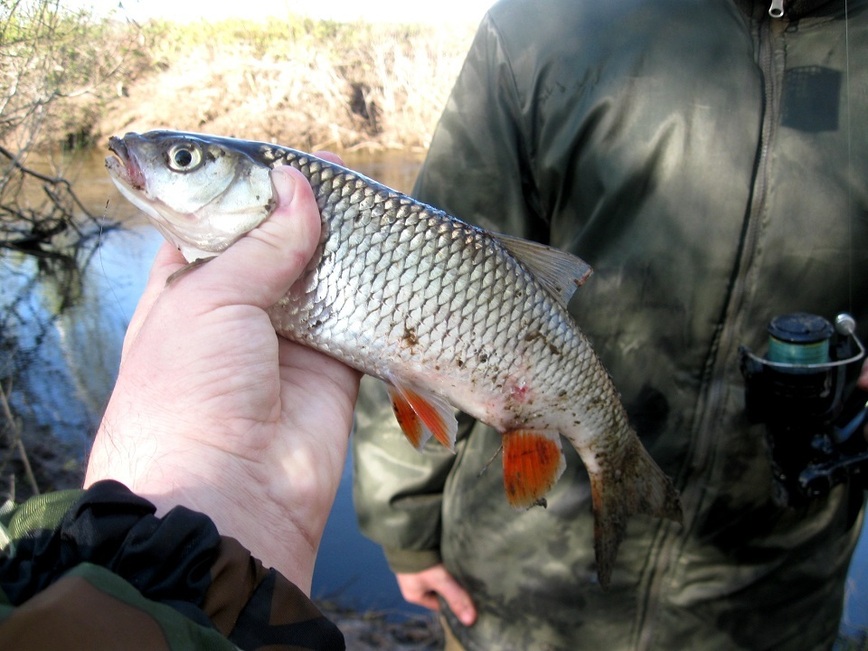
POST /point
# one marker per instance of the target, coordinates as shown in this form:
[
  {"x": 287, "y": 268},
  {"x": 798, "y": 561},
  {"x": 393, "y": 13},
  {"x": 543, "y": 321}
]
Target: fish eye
[{"x": 184, "y": 157}]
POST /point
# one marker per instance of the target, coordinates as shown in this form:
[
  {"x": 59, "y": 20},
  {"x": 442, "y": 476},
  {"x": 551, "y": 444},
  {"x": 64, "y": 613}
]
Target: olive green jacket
[{"x": 711, "y": 164}]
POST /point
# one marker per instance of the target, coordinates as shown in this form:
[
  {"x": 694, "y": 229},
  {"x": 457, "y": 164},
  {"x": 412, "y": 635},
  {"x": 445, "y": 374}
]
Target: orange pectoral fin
[
  {"x": 532, "y": 463},
  {"x": 422, "y": 415}
]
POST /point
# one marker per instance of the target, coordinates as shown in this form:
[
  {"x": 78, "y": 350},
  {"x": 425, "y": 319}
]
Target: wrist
[
  {"x": 411, "y": 561},
  {"x": 246, "y": 501}
]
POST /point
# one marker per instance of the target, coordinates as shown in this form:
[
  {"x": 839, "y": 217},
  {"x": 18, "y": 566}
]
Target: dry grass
[{"x": 303, "y": 84}]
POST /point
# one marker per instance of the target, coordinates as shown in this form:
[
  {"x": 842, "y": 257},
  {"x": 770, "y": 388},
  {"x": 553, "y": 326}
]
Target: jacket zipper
[
  {"x": 711, "y": 405},
  {"x": 776, "y": 10}
]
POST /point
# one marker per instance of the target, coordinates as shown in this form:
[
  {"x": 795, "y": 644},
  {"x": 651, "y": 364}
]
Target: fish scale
[
  {"x": 457, "y": 254},
  {"x": 447, "y": 314}
]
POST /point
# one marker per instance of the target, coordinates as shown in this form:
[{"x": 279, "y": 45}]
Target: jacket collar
[{"x": 793, "y": 9}]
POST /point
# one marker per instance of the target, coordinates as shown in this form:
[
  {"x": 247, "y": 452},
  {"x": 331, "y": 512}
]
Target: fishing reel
[{"x": 803, "y": 390}]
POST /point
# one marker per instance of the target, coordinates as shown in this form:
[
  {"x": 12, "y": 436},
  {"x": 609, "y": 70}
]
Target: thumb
[
  {"x": 167, "y": 262},
  {"x": 260, "y": 267}
]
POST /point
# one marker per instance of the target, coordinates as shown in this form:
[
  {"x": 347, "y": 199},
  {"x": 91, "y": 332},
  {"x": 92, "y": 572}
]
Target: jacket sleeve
[
  {"x": 478, "y": 167},
  {"x": 472, "y": 171},
  {"x": 397, "y": 489},
  {"x": 97, "y": 569}
]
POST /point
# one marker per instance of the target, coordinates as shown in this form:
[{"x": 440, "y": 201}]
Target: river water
[{"x": 72, "y": 361}]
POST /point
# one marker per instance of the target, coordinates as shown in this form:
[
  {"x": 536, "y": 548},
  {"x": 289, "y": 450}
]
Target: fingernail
[{"x": 284, "y": 185}]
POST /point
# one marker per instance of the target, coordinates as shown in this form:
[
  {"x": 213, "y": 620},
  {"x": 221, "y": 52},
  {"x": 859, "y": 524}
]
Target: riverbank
[
  {"x": 374, "y": 631},
  {"x": 307, "y": 84},
  {"x": 300, "y": 81}
]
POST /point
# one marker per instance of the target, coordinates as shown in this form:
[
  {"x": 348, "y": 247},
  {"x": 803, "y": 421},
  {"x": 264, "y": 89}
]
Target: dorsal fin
[{"x": 561, "y": 273}]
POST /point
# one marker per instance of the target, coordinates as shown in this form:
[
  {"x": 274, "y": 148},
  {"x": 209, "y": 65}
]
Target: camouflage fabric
[
  {"x": 695, "y": 154},
  {"x": 96, "y": 569}
]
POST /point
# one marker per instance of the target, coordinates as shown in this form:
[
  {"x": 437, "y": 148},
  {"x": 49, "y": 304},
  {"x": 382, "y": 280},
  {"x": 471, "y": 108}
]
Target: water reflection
[{"x": 64, "y": 361}]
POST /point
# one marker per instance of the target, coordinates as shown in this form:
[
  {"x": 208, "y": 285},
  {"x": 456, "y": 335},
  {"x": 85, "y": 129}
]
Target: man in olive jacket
[{"x": 711, "y": 163}]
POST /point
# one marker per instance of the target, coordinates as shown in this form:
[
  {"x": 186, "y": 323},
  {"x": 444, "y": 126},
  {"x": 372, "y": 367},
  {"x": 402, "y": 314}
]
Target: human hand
[
  {"x": 213, "y": 411},
  {"x": 422, "y": 588}
]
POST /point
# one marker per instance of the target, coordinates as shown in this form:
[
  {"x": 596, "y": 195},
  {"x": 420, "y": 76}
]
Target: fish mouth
[{"x": 123, "y": 166}]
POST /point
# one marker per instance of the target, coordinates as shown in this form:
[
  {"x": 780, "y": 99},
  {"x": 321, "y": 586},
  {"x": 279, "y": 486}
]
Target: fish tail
[{"x": 634, "y": 485}]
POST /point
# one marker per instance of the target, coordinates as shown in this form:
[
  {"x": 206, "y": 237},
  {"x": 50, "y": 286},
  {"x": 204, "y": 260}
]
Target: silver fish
[{"x": 446, "y": 314}]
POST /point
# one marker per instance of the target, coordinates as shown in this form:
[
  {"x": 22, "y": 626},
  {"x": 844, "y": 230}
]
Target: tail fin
[{"x": 635, "y": 485}]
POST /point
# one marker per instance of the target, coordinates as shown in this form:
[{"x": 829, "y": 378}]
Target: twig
[
  {"x": 17, "y": 442},
  {"x": 52, "y": 180}
]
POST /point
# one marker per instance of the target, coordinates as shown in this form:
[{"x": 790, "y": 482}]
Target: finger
[
  {"x": 426, "y": 599},
  {"x": 863, "y": 377},
  {"x": 259, "y": 268},
  {"x": 167, "y": 261},
  {"x": 416, "y": 589},
  {"x": 423, "y": 589},
  {"x": 330, "y": 157},
  {"x": 457, "y": 599}
]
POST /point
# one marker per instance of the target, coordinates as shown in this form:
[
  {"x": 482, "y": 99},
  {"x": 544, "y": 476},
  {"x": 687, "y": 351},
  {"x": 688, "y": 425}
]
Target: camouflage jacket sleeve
[{"x": 96, "y": 569}]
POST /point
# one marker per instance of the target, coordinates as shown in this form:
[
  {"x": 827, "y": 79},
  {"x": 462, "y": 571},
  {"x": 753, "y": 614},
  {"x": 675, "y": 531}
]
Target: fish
[{"x": 449, "y": 315}]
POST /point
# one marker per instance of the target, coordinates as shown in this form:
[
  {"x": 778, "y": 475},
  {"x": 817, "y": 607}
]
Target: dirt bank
[
  {"x": 344, "y": 88},
  {"x": 374, "y": 631}
]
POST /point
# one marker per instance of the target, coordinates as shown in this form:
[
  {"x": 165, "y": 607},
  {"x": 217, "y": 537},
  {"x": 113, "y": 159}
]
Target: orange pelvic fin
[
  {"x": 422, "y": 414},
  {"x": 532, "y": 463}
]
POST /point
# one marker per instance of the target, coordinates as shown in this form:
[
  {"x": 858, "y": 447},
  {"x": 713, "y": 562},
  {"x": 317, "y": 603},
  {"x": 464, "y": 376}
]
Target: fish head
[{"x": 201, "y": 192}]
